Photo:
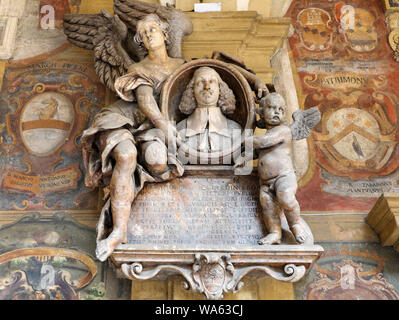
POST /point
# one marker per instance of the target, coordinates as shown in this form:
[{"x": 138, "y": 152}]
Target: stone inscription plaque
[{"x": 198, "y": 210}]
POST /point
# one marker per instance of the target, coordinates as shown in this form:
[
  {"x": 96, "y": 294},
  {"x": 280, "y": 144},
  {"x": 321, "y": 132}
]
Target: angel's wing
[
  {"x": 180, "y": 25},
  {"x": 303, "y": 122},
  {"x": 102, "y": 33}
]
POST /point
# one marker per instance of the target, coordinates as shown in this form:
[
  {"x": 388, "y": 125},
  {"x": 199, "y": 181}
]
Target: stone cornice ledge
[
  {"x": 215, "y": 270},
  {"x": 244, "y": 34},
  {"x": 384, "y": 219}
]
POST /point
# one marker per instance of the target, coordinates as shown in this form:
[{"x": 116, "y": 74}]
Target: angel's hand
[{"x": 169, "y": 130}]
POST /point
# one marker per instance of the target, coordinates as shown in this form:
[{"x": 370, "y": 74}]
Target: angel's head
[
  {"x": 272, "y": 109},
  {"x": 151, "y": 32},
  {"x": 207, "y": 88}
]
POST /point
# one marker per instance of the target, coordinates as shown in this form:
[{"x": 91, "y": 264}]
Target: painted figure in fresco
[
  {"x": 358, "y": 27},
  {"x": 135, "y": 52},
  {"x": 315, "y": 29},
  {"x": 276, "y": 171},
  {"x": 207, "y": 100}
]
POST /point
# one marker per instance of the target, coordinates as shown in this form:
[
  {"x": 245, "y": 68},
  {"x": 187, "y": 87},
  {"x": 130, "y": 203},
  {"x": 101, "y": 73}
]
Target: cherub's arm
[
  {"x": 240, "y": 167},
  {"x": 272, "y": 137},
  {"x": 257, "y": 85},
  {"x": 248, "y": 154}
]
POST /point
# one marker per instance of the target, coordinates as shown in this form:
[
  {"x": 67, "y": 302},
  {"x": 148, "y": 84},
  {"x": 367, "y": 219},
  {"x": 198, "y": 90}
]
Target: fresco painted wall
[
  {"x": 45, "y": 107},
  {"x": 352, "y": 271},
  {"x": 49, "y": 94},
  {"x": 51, "y": 258},
  {"x": 345, "y": 67}
]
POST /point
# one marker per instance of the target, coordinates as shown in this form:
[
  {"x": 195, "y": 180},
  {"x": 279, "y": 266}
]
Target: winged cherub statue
[
  {"x": 135, "y": 52},
  {"x": 276, "y": 172}
]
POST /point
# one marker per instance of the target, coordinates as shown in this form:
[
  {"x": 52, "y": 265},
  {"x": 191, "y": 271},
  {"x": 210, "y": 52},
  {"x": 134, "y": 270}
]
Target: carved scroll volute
[{"x": 212, "y": 272}]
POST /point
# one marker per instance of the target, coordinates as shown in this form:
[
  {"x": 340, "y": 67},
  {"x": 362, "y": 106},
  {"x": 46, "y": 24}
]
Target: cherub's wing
[
  {"x": 103, "y": 34},
  {"x": 180, "y": 25},
  {"x": 303, "y": 122}
]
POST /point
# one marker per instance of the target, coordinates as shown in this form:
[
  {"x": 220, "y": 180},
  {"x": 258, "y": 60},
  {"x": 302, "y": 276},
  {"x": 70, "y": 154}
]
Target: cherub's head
[
  {"x": 207, "y": 88},
  {"x": 272, "y": 109},
  {"x": 151, "y": 32}
]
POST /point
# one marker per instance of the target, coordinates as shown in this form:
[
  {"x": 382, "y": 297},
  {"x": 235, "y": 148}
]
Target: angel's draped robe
[{"x": 122, "y": 121}]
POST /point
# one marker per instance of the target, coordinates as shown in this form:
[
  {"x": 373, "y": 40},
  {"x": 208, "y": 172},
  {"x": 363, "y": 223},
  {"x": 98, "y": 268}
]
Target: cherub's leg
[
  {"x": 270, "y": 217},
  {"x": 122, "y": 195},
  {"x": 285, "y": 191}
]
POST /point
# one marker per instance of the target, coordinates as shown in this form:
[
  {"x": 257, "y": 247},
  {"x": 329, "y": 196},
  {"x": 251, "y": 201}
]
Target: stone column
[
  {"x": 283, "y": 81},
  {"x": 278, "y": 8},
  {"x": 10, "y": 12}
]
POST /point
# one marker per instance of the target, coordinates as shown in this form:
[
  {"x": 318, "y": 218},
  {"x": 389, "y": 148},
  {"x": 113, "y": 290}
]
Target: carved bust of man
[{"x": 207, "y": 100}]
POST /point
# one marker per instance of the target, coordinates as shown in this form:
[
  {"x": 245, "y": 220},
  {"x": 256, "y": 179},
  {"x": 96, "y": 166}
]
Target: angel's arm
[
  {"x": 275, "y": 136},
  {"x": 149, "y": 106},
  {"x": 147, "y": 103}
]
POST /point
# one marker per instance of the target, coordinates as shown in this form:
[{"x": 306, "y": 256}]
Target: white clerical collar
[{"x": 199, "y": 119}]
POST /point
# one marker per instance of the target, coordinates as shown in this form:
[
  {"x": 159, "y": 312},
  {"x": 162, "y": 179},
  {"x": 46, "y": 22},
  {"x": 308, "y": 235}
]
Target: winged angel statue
[{"x": 135, "y": 51}]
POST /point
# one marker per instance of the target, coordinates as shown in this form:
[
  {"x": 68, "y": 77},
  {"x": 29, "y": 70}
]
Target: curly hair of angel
[
  {"x": 151, "y": 18},
  {"x": 227, "y": 100}
]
